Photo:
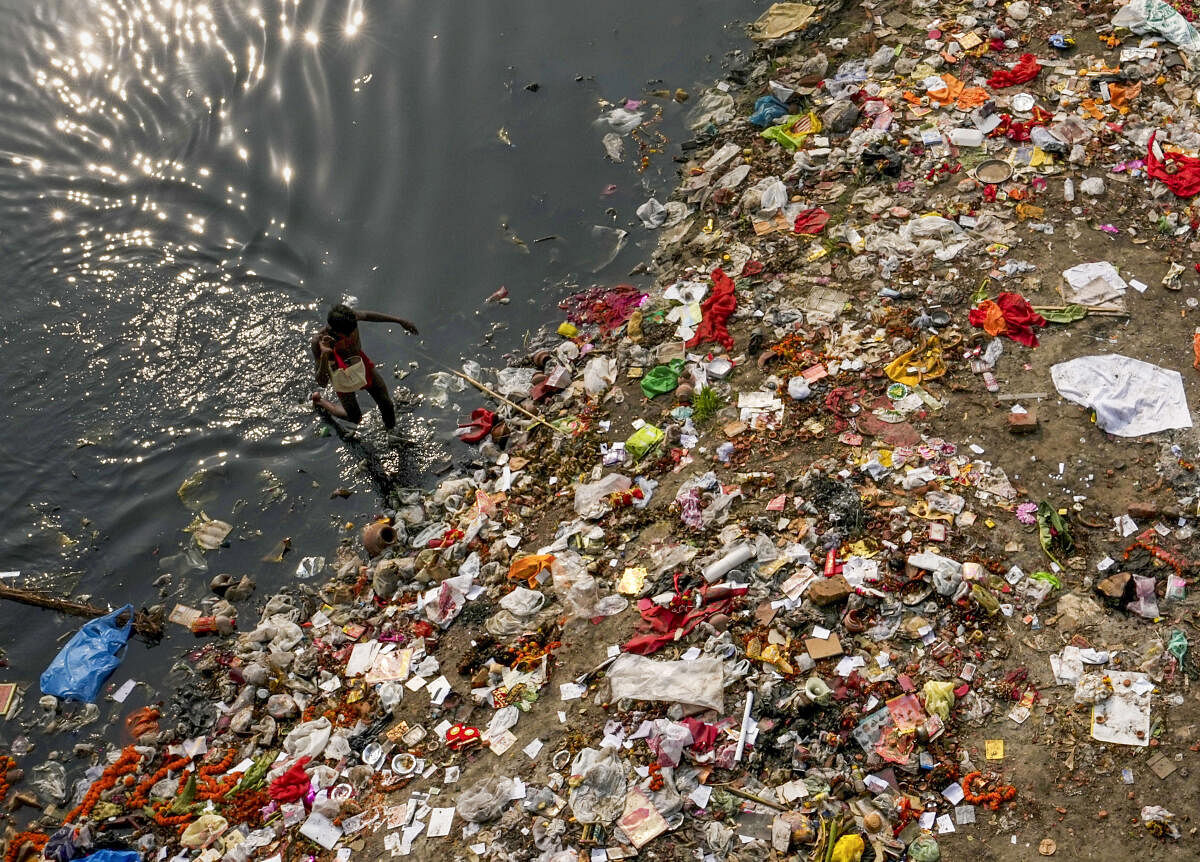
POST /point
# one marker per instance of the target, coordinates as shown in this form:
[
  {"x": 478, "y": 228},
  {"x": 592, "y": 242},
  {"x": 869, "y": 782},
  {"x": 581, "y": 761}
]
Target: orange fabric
[
  {"x": 1196, "y": 349},
  {"x": 993, "y": 318},
  {"x": 959, "y": 94},
  {"x": 528, "y": 568}
]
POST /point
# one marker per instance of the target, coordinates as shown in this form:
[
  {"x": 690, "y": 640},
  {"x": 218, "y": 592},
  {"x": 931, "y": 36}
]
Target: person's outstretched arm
[{"x": 378, "y": 317}]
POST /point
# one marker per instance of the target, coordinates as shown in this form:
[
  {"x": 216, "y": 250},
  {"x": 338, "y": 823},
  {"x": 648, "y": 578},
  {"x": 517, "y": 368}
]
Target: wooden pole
[
  {"x": 539, "y": 420},
  {"x": 145, "y": 626}
]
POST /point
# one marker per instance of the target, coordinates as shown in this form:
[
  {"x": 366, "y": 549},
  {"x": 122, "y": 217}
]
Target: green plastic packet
[
  {"x": 1049, "y": 577},
  {"x": 1177, "y": 644},
  {"x": 643, "y": 440},
  {"x": 924, "y": 849},
  {"x": 662, "y": 378}
]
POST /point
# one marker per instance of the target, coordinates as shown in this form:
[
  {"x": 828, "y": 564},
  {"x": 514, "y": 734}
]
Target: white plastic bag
[
  {"x": 599, "y": 374},
  {"x": 774, "y": 196},
  {"x": 308, "y": 739}
]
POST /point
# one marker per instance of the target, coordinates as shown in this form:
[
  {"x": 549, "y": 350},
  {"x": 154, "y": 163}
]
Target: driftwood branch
[{"x": 146, "y": 626}]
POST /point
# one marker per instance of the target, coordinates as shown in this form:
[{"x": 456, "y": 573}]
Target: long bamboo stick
[{"x": 142, "y": 624}]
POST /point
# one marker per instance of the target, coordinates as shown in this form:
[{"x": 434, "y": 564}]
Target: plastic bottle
[
  {"x": 963, "y": 137},
  {"x": 1069, "y": 190}
]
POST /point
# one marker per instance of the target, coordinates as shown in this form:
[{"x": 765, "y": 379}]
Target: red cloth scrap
[
  {"x": 1184, "y": 181},
  {"x": 1019, "y": 317},
  {"x": 1027, "y": 69},
  {"x": 812, "y": 222},
  {"x": 293, "y": 784},
  {"x": 717, "y": 308},
  {"x": 667, "y": 625}
]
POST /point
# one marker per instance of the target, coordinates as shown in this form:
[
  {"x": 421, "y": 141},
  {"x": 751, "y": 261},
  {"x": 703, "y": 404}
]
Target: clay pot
[{"x": 378, "y": 536}]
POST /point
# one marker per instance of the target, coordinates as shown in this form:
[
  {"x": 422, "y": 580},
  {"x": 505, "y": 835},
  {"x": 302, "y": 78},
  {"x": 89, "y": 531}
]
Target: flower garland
[
  {"x": 989, "y": 799},
  {"x": 6, "y": 764},
  {"x": 140, "y": 798},
  {"x": 212, "y": 783},
  {"x": 18, "y": 843},
  {"x": 126, "y": 765}
]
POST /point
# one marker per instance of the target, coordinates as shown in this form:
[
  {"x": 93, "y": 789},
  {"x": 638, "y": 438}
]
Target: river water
[{"x": 184, "y": 189}]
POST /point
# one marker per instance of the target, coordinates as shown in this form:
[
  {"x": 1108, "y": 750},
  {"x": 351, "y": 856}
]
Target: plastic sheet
[{"x": 699, "y": 682}]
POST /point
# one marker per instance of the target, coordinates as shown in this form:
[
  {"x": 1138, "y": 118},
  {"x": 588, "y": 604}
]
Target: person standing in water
[{"x": 341, "y": 361}]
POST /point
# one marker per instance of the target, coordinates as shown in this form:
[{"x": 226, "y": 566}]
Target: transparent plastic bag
[
  {"x": 591, "y": 499},
  {"x": 599, "y": 781},
  {"x": 484, "y": 800}
]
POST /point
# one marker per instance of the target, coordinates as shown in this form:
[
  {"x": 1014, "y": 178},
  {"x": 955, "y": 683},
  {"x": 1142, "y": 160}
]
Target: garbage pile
[{"x": 728, "y": 573}]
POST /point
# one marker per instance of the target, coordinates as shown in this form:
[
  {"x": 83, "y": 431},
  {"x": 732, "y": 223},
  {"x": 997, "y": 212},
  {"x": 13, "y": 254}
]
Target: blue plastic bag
[
  {"x": 767, "y": 110},
  {"x": 82, "y": 666},
  {"x": 112, "y": 856}
]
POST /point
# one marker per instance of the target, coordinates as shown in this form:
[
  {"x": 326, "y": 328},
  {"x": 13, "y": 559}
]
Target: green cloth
[{"x": 662, "y": 378}]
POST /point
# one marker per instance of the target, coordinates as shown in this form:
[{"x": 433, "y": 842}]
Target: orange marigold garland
[
  {"x": 988, "y": 798},
  {"x": 140, "y": 797},
  {"x": 6, "y": 764},
  {"x": 18, "y": 842},
  {"x": 126, "y": 764}
]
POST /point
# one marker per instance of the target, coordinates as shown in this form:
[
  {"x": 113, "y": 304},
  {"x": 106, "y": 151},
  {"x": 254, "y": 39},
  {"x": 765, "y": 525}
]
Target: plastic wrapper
[
  {"x": 599, "y": 781},
  {"x": 699, "y": 682},
  {"x": 484, "y": 800},
  {"x": 938, "y": 698},
  {"x": 202, "y": 830}
]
